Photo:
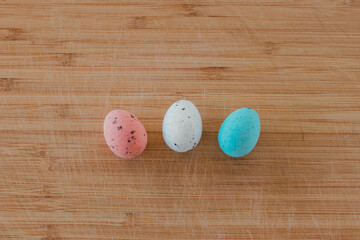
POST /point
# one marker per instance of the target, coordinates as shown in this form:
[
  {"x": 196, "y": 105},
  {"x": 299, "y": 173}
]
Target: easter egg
[
  {"x": 124, "y": 134},
  {"x": 182, "y": 126},
  {"x": 239, "y": 132}
]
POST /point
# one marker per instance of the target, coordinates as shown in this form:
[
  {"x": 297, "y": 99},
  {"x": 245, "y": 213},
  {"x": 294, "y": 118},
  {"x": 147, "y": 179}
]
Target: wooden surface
[{"x": 65, "y": 64}]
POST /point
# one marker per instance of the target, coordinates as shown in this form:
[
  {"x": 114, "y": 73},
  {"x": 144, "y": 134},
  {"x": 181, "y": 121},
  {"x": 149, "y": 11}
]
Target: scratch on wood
[
  {"x": 66, "y": 59},
  {"x": 190, "y": 9},
  {"x": 351, "y": 3},
  {"x": 13, "y": 34},
  {"x": 138, "y": 23},
  {"x": 50, "y": 231},
  {"x": 46, "y": 193},
  {"x": 129, "y": 219},
  {"x": 63, "y": 110},
  {"x": 214, "y": 73},
  {"x": 271, "y": 48},
  {"x": 302, "y": 135},
  {"x": 7, "y": 84}
]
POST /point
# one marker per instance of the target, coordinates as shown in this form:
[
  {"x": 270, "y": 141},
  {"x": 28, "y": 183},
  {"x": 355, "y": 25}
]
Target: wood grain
[{"x": 65, "y": 64}]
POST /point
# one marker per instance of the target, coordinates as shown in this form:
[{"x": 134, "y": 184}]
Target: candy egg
[
  {"x": 124, "y": 134},
  {"x": 239, "y": 132},
  {"x": 182, "y": 126}
]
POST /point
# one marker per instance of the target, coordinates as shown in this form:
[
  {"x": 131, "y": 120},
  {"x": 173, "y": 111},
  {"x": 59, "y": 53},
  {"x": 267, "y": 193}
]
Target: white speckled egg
[{"x": 182, "y": 126}]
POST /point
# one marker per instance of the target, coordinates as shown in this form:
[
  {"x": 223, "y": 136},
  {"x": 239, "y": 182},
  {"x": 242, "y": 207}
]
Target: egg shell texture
[
  {"x": 124, "y": 134},
  {"x": 239, "y": 132},
  {"x": 182, "y": 126}
]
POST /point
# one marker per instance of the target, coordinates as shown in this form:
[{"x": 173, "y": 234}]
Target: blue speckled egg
[{"x": 239, "y": 132}]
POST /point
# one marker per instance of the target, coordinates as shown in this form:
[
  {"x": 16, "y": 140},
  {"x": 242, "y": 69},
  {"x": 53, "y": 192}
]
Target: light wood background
[{"x": 64, "y": 64}]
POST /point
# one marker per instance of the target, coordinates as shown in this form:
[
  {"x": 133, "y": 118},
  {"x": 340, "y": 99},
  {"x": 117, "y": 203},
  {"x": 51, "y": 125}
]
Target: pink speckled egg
[{"x": 124, "y": 134}]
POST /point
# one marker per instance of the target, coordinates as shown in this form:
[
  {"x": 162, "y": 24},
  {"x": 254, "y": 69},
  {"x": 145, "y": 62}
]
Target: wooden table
[{"x": 65, "y": 64}]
